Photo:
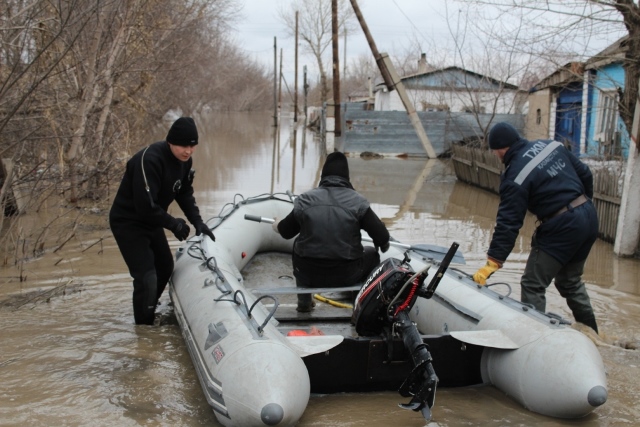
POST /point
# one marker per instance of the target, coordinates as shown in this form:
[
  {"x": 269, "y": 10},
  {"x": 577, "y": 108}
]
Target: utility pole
[
  {"x": 393, "y": 81},
  {"x": 295, "y": 85},
  {"x": 344, "y": 55},
  {"x": 275, "y": 82},
  {"x": 336, "y": 67},
  {"x": 280, "y": 84},
  {"x": 305, "y": 88}
]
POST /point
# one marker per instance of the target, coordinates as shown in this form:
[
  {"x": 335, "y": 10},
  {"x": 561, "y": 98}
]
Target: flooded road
[{"x": 71, "y": 354}]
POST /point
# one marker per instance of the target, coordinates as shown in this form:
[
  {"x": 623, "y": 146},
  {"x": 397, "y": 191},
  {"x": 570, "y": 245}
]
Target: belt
[{"x": 580, "y": 200}]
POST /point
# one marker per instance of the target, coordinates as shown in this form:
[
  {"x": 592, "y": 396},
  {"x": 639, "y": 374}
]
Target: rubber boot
[
  {"x": 589, "y": 320},
  {"x": 305, "y": 303},
  {"x": 144, "y": 299}
]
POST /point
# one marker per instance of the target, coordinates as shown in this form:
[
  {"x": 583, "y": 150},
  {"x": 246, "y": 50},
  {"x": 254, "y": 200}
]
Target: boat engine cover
[{"x": 378, "y": 291}]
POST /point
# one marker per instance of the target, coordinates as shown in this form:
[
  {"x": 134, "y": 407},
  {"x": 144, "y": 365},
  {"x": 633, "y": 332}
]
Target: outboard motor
[{"x": 382, "y": 307}]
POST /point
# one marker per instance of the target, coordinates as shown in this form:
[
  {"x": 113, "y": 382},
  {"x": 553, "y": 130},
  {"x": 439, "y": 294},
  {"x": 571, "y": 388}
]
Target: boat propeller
[
  {"x": 422, "y": 382},
  {"x": 382, "y": 307}
]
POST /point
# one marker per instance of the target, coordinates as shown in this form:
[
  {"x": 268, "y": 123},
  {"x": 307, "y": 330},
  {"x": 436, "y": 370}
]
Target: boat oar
[{"x": 428, "y": 251}]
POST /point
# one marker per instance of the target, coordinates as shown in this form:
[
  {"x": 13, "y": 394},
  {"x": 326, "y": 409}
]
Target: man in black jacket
[
  {"x": 328, "y": 251},
  {"x": 548, "y": 180},
  {"x": 154, "y": 177}
]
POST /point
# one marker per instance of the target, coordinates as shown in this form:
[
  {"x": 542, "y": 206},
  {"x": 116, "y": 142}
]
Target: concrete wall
[
  {"x": 538, "y": 118},
  {"x": 390, "y": 133}
]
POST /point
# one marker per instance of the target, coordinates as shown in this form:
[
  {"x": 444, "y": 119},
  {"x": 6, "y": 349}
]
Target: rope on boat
[
  {"x": 231, "y": 207},
  {"x": 332, "y": 302},
  {"x": 488, "y": 285},
  {"x": 240, "y": 299},
  {"x": 197, "y": 252}
]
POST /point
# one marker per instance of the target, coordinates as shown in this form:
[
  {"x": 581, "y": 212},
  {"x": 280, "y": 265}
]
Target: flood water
[{"x": 71, "y": 355}]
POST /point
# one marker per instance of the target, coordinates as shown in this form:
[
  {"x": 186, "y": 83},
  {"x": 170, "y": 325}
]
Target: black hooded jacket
[
  {"x": 167, "y": 179},
  {"x": 328, "y": 220}
]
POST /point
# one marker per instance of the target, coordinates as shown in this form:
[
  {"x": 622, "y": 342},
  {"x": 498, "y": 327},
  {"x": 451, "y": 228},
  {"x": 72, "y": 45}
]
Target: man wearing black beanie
[
  {"x": 548, "y": 180},
  {"x": 154, "y": 177},
  {"x": 328, "y": 251}
]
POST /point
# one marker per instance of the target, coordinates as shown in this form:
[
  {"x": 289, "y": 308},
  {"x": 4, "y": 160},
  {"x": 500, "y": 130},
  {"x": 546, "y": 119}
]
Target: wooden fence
[{"x": 482, "y": 168}]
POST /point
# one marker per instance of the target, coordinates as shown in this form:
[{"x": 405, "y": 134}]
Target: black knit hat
[
  {"x": 503, "y": 135},
  {"x": 183, "y": 132},
  {"x": 336, "y": 164}
]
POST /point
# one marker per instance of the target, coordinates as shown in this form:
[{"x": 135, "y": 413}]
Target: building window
[
  {"x": 606, "y": 122},
  {"x": 538, "y": 116},
  {"x": 607, "y": 113}
]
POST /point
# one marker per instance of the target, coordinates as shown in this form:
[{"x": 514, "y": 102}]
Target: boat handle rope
[
  {"x": 248, "y": 309},
  {"x": 272, "y": 311},
  {"x": 488, "y": 285},
  {"x": 214, "y": 267},
  {"x": 196, "y": 251}
]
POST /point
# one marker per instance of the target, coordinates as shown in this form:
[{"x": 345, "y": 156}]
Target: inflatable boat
[{"x": 258, "y": 360}]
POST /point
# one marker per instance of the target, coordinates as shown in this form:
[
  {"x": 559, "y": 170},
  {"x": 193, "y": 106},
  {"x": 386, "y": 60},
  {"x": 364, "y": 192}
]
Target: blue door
[{"x": 568, "y": 118}]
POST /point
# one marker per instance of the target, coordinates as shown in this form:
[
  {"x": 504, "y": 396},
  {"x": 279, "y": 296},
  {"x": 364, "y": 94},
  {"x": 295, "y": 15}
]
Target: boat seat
[{"x": 290, "y": 290}]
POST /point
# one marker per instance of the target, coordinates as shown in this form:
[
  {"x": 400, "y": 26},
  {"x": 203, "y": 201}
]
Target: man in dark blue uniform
[
  {"x": 154, "y": 177},
  {"x": 548, "y": 180},
  {"x": 328, "y": 251}
]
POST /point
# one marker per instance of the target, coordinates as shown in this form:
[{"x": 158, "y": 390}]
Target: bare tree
[
  {"x": 577, "y": 25},
  {"x": 82, "y": 83},
  {"x": 314, "y": 27}
]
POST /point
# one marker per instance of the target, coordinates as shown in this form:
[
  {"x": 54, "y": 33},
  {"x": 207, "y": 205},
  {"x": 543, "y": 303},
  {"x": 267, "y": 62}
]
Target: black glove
[
  {"x": 201, "y": 228},
  {"x": 384, "y": 248},
  {"x": 180, "y": 229}
]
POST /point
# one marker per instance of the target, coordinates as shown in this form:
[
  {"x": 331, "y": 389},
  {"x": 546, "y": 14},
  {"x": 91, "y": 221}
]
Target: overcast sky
[{"x": 394, "y": 25}]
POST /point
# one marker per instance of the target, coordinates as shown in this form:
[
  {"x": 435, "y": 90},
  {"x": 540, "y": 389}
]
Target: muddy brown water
[{"x": 71, "y": 355}]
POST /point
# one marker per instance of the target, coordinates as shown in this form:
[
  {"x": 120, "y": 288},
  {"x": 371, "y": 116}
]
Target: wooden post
[
  {"x": 372, "y": 45},
  {"x": 305, "y": 88},
  {"x": 336, "y": 67},
  {"x": 295, "y": 85},
  {"x": 393, "y": 81},
  {"x": 280, "y": 86},
  {"x": 408, "y": 105},
  {"x": 629, "y": 219},
  {"x": 275, "y": 82}
]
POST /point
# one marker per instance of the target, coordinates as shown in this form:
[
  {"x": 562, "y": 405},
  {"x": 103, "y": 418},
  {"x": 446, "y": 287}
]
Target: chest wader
[{"x": 145, "y": 299}]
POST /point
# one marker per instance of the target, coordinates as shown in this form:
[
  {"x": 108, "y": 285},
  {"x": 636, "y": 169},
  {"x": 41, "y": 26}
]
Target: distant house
[
  {"x": 556, "y": 107},
  {"x": 578, "y": 105},
  {"x": 453, "y": 89},
  {"x": 607, "y": 135}
]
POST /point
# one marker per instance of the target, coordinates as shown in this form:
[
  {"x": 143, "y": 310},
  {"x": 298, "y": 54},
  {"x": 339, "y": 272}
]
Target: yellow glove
[{"x": 485, "y": 272}]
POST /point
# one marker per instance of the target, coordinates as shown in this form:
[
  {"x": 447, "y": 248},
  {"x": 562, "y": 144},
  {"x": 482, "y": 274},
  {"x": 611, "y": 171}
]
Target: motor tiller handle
[{"x": 257, "y": 218}]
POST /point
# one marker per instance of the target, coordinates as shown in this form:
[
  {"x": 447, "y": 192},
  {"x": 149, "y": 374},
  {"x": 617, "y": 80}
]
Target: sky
[
  {"x": 395, "y": 26},
  {"x": 392, "y": 23}
]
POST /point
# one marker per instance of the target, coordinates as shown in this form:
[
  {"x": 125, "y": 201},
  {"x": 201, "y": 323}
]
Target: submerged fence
[{"x": 481, "y": 168}]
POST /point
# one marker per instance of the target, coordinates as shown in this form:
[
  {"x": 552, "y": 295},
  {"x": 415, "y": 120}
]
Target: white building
[{"x": 454, "y": 89}]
